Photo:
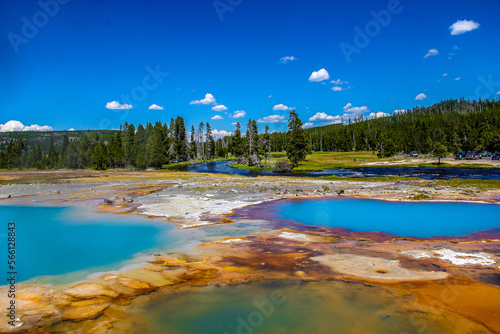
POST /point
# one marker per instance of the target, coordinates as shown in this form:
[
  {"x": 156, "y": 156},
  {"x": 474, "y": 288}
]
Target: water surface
[
  {"x": 59, "y": 240},
  {"x": 290, "y": 307},
  {"x": 429, "y": 173},
  {"x": 400, "y": 218}
]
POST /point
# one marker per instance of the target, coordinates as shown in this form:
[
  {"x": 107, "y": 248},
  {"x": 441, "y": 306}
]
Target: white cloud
[
  {"x": 281, "y": 107},
  {"x": 220, "y": 107},
  {"x": 337, "y": 88},
  {"x": 421, "y": 97},
  {"x": 321, "y": 116},
  {"x": 116, "y": 105},
  {"x": 445, "y": 74},
  {"x": 221, "y": 133},
  {"x": 209, "y": 99},
  {"x": 431, "y": 52},
  {"x": 155, "y": 107},
  {"x": 18, "y": 126},
  {"x": 320, "y": 75},
  {"x": 463, "y": 26},
  {"x": 457, "y": 78},
  {"x": 72, "y": 129},
  {"x": 307, "y": 125},
  {"x": 498, "y": 93},
  {"x": 379, "y": 114},
  {"x": 217, "y": 117},
  {"x": 270, "y": 96},
  {"x": 238, "y": 114},
  {"x": 337, "y": 82},
  {"x": 272, "y": 119},
  {"x": 399, "y": 111},
  {"x": 355, "y": 110},
  {"x": 286, "y": 59}
]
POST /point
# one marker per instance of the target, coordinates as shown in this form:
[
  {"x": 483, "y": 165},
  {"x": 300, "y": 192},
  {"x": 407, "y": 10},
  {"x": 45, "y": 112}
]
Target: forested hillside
[{"x": 448, "y": 126}]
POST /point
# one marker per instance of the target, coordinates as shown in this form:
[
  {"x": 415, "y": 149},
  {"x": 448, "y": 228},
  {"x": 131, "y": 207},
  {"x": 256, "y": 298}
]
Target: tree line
[
  {"x": 150, "y": 146},
  {"x": 448, "y": 126}
]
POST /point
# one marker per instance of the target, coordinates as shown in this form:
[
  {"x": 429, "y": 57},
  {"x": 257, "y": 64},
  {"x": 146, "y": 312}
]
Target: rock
[
  {"x": 85, "y": 309},
  {"x": 128, "y": 200},
  {"x": 109, "y": 201},
  {"x": 282, "y": 166},
  {"x": 90, "y": 290},
  {"x": 341, "y": 192}
]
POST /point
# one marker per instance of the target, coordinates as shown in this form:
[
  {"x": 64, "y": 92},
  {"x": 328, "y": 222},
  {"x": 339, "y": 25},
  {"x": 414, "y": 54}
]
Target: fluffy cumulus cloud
[
  {"x": 399, "y": 111},
  {"x": 421, "y": 97},
  {"x": 308, "y": 125},
  {"x": 209, "y": 99},
  {"x": 220, "y": 107},
  {"x": 217, "y": 117},
  {"x": 72, "y": 129},
  {"x": 321, "y": 116},
  {"x": 320, "y": 75},
  {"x": 355, "y": 110},
  {"x": 431, "y": 52},
  {"x": 463, "y": 26},
  {"x": 18, "y": 126},
  {"x": 337, "y": 82},
  {"x": 286, "y": 59},
  {"x": 281, "y": 107},
  {"x": 378, "y": 114},
  {"x": 238, "y": 114},
  {"x": 116, "y": 105},
  {"x": 337, "y": 88},
  {"x": 221, "y": 133},
  {"x": 272, "y": 119},
  {"x": 155, "y": 107}
]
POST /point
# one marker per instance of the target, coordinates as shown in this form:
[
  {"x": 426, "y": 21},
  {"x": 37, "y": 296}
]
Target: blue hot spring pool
[
  {"x": 61, "y": 240},
  {"x": 426, "y": 219}
]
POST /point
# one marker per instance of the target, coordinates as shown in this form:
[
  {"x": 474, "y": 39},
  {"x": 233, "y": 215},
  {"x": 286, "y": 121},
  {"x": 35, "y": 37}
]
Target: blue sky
[{"x": 84, "y": 59}]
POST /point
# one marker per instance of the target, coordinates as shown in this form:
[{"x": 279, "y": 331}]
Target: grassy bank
[{"x": 318, "y": 161}]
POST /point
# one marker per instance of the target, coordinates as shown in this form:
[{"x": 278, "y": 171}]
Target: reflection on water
[
  {"x": 291, "y": 307},
  {"x": 430, "y": 173}
]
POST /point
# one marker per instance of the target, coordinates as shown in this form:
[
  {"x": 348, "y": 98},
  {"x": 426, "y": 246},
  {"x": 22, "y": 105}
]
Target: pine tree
[
  {"x": 158, "y": 147},
  {"x": 267, "y": 147},
  {"x": 237, "y": 141},
  {"x": 52, "y": 156},
  {"x": 99, "y": 158},
  {"x": 296, "y": 148},
  {"x": 118, "y": 152},
  {"x": 193, "y": 147},
  {"x": 181, "y": 151},
  {"x": 201, "y": 151},
  {"x": 209, "y": 142},
  {"x": 72, "y": 156},
  {"x": 130, "y": 145}
]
